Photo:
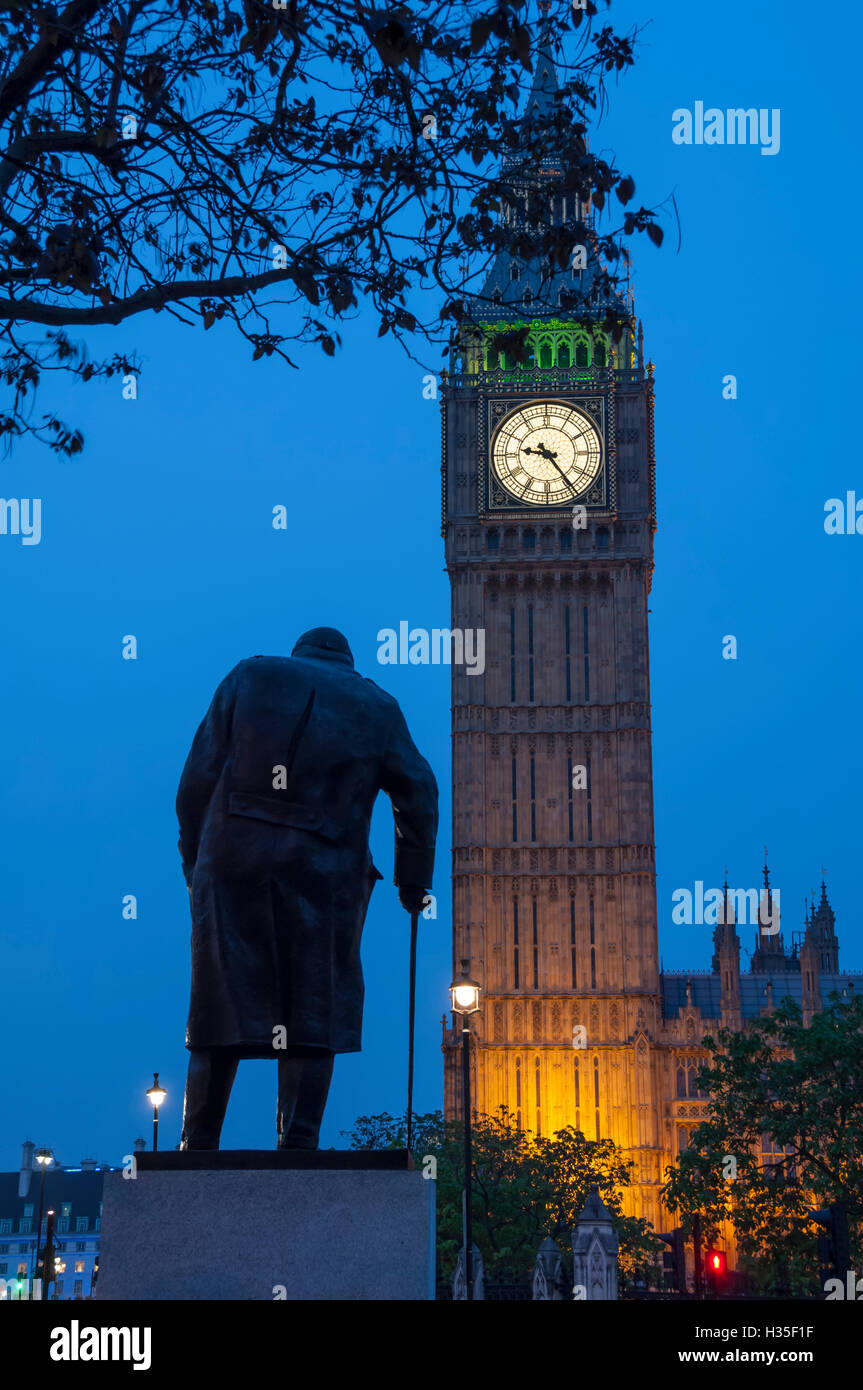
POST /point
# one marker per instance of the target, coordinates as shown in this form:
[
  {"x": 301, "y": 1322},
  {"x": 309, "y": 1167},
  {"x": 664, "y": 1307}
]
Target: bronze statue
[{"x": 274, "y": 806}]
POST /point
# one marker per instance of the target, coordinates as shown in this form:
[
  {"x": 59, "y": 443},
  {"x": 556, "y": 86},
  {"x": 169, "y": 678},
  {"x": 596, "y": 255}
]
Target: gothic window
[
  {"x": 528, "y": 540},
  {"x": 535, "y": 949},
  {"x": 586, "y": 656},
  {"x": 536, "y": 1071},
  {"x": 512, "y": 675},
  {"x": 600, "y": 355},
  {"x": 515, "y": 941},
  {"x": 602, "y": 538},
  {"x": 514, "y": 802},
  {"x": 774, "y": 1157},
  {"x": 566, "y": 640},
  {"x": 533, "y": 800},
  {"x": 518, "y": 1093},
  {"x": 492, "y": 540},
  {"x": 596, "y": 1093},
  {"x": 496, "y": 297},
  {"x": 527, "y": 298},
  {"x": 572, "y": 952},
  {"x": 530, "y": 676},
  {"x": 569, "y": 795},
  {"x": 682, "y": 1138},
  {"x": 566, "y": 540},
  {"x": 577, "y": 1081},
  {"x": 564, "y": 360},
  {"x": 592, "y": 945},
  {"x": 545, "y": 353},
  {"x": 589, "y": 791},
  {"x": 514, "y": 272},
  {"x": 681, "y": 1081},
  {"x": 582, "y": 352}
]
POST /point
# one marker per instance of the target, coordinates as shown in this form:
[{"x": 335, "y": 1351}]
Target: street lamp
[
  {"x": 155, "y": 1095},
  {"x": 464, "y": 993},
  {"x": 44, "y": 1158},
  {"x": 49, "y": 1252}
]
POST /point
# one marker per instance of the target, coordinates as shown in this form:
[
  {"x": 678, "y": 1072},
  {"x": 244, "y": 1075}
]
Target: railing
[{"x": 550, "y": 377}]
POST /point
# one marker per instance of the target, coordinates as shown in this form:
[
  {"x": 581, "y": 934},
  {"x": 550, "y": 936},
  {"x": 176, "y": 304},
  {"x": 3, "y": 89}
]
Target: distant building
[{"x": 75, "y": 1195}]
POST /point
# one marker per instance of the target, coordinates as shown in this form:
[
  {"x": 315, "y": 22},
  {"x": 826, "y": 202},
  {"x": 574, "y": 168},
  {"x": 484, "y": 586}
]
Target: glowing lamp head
[
  {"x": 156, "y": 1093},
  {"x": 44, "y": 1157},
  {"x": 464, "y": 993}
]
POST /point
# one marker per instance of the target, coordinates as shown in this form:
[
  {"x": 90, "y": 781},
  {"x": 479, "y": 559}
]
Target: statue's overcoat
[{"x": 274, "y": 807}]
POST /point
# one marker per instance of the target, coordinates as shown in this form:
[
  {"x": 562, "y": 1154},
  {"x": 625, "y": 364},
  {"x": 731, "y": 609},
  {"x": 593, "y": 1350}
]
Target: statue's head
[{"x": 324, "y": 639}]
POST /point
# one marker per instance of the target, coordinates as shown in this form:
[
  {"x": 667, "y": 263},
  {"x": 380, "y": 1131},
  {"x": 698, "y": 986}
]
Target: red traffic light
[{"x": 716, "y": 1261}]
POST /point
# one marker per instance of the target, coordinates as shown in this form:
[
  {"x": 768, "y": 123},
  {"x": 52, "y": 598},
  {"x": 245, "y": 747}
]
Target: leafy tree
[
  {"x": 782, "y": 1138},
  {"x": 269, "y": 164},
  {"x": 524, "y": 1188}
]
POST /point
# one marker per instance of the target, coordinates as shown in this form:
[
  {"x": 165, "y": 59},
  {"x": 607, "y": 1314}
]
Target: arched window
[
  {"x": 600, "y": 355},
  {"x": 682, "y": 1138},
  {"x": 582, "y": 353},
  {"x": 564, "y": 360},
  {"x": 681, "y": 1081},
  {"x": 528, "y": 540},
  {"x": 527, "y": 298},
  {"x": 492, "y": 540},
  {"x": 496, "y": 297},
  {"x": 518, "y": 1093},
  {"x": 596, "y": 1094},
  {"x": 514, "y": 272},
  {"x": 545, "y": 354},
  {"x": 566, "y": 540},
  {"x": 602, "y": 538},
  {"x": 537, "y": 1083}
]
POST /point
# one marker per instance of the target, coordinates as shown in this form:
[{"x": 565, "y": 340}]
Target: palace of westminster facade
[{"x": 554, "y": 877}]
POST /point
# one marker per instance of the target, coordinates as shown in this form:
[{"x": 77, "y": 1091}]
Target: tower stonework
[
  {"x": 548, "y": 503},
  {"x": 554, "y": 899}
]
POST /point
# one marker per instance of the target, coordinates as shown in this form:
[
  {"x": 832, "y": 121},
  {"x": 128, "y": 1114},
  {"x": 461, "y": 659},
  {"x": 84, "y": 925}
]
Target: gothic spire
[{"x": 544, "y": 88}]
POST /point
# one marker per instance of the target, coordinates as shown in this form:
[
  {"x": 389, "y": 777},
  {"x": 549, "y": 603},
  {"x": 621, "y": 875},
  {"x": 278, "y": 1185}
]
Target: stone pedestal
[{"x": 261, "y": 1225}]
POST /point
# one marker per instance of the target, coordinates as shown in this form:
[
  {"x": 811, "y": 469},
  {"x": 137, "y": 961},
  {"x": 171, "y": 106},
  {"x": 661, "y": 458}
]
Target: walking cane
[{"x": 412, "y": 991}]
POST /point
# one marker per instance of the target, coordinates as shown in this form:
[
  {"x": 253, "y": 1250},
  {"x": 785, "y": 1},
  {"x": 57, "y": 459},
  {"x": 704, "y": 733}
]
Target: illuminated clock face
[{"x": 546, "y": 454}]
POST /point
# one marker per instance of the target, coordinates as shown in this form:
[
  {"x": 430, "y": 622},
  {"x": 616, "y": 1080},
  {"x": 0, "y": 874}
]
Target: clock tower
[{"x": 548, "y": 519}]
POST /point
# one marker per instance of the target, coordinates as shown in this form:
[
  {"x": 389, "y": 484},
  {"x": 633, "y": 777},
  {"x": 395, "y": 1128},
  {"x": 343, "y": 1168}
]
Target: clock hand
[{"x": 550, "y": 456}]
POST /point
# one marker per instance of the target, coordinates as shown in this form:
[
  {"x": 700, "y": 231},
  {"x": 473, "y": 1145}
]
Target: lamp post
[
  {"x": 464, "y": 993},
  {"x": 44, "y": 1158},
  {"x": 48, "y": 1252},
  {"x": 59, "y": 1267},
  {"x": 155, "y": 1095}
]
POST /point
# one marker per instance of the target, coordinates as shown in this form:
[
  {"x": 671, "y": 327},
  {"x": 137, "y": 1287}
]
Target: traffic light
[
  {"x": 716, "y": 1268},
  {"x": 674, "y": 1260},
  {"x": 834, "y": 1255}
]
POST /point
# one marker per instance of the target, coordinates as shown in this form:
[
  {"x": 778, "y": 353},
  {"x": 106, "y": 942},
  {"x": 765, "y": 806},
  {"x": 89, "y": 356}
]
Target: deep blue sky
[{"x": 163, "y": 529}]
